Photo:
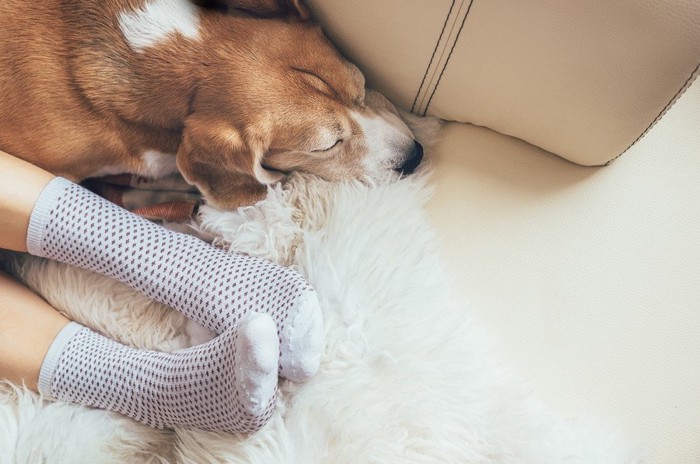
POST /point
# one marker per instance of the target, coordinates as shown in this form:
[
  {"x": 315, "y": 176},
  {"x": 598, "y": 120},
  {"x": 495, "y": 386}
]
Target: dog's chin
[
  {"x": 373, "y": 179},
  {"x": 383, "y": 177},
  {"x": 377, "y": 178}
]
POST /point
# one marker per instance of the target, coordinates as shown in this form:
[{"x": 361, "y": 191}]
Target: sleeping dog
[{"x": 232, "y": 100}]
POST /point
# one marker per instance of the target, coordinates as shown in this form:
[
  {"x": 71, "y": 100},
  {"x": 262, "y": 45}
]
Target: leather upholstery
[
  {"x": 582, "y": 80},
  {"x": 391, "y": 49},
  {"x": 587, "y": 277}
]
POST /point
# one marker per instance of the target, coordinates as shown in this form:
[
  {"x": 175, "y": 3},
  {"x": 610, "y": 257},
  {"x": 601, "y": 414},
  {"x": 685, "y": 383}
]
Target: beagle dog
[{"x": 233, "y": 100}]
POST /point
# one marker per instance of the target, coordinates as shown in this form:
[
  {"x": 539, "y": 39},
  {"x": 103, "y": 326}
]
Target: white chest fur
[{"x": 156, "y": 164}]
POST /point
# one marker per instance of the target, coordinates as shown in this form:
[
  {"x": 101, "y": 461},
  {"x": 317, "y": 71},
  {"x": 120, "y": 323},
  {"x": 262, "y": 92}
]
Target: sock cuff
[
  {"x": 40, "y": 216},
  {"x": 48, "y": 367}
]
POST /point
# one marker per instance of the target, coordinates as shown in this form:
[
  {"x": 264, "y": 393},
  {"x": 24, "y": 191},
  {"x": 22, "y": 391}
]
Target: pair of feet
[{"x": 267, "y": 317}]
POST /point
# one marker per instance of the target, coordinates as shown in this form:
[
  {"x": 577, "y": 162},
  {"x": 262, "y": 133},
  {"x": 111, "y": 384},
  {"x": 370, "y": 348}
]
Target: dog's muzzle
[{"x": 413, "y": 161}]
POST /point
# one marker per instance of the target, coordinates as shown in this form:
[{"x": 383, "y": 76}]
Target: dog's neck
[
  {"x": 151, "y": 86},
  {"x": 151, "y": 89},
  {"x": 162, "y": 85}
]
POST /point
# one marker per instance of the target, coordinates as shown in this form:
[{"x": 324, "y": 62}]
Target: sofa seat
[{"x": 588, "y": 278}]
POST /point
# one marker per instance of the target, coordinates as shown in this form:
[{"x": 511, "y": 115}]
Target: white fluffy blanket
[{"x": 406, "y": 375}]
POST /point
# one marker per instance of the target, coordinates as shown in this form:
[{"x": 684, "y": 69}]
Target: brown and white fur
[{"x": 232, "y": 100}]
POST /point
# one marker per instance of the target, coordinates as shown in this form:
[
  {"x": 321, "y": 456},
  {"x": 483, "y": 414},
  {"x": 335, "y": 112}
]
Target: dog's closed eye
[
  {"x": 337, "y": 142},
  {"x": 316, "y": 81}
]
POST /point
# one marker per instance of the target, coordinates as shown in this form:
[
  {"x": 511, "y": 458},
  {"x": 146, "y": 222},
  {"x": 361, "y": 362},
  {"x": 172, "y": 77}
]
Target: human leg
[
  {"x": 227, "y": 384},
  {"x": 20, "y": 186},
  {"x": 28, "y": 326},
  {"x": 210, "y": 286}
]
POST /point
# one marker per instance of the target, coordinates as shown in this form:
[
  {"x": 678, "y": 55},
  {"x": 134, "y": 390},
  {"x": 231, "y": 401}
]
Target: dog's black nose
[{"x": 413, "y": 161}]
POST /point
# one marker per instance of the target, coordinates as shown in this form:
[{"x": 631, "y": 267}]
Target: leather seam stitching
[
  {"x": 453, "y": 22},
  {"x": 432, "y": 57},
  {"x": 454, "y": 44},
  {"x": 663, "y": 112}
]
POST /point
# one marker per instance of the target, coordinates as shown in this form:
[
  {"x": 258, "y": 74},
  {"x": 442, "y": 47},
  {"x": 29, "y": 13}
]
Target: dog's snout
[{"x": 413, "y": 161}]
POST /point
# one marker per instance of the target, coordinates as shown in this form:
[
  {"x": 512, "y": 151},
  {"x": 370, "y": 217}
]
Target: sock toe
[
  {"x": 302, "y": 340},
  {"x": 257, "y": 360}
]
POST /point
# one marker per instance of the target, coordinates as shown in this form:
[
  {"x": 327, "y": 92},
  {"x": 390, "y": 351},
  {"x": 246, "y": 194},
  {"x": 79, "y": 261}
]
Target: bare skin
[{"x": 28, "y": 324}]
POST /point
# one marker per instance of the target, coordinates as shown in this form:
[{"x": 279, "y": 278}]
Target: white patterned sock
[
  {"x": 214, "y": 288},
  {"x": 228, "y": 384}
]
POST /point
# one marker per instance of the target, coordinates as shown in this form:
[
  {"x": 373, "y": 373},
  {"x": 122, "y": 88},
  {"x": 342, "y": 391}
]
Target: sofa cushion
[
  {"x": 583, "y": 80},
  {"x": 391, "y": 40}
]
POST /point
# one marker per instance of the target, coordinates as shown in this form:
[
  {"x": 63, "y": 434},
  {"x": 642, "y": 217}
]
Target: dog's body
[
  {"x": 53, "y": 113},
  {"x": 149, "y": 87}
]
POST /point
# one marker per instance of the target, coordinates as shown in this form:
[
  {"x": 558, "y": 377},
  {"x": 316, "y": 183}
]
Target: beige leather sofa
[{"x": 589, "y": 277}]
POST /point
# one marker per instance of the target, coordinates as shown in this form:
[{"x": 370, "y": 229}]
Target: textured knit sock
[
  {"x": 214, "y": 288},
  {"x": 228, "y": 384}
]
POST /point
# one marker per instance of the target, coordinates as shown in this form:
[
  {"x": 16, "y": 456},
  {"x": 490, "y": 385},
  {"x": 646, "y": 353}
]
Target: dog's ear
[
  {"x": 295, "y": 7},
  {"x": 263, "y": 8},
  {"x": 224, "y": 165}
]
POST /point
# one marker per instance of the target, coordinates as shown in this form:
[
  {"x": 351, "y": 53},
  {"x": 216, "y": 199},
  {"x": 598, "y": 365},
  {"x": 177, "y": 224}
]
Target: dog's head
[{"x": 285, "y": 100}]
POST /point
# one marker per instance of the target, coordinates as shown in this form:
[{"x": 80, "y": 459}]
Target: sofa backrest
[{"x": 581, "y": 79}]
